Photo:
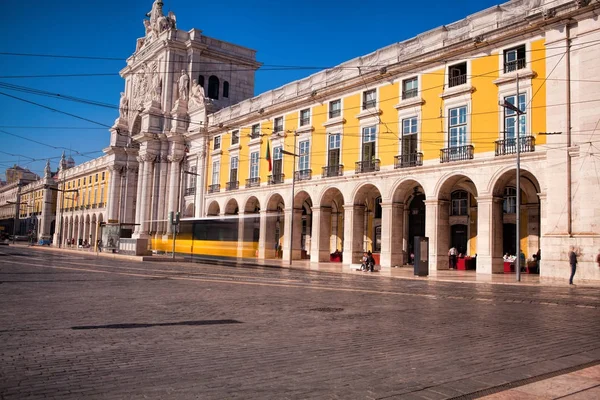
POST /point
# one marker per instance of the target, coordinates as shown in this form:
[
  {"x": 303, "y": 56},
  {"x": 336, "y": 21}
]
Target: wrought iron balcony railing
[
  {"x": 252, "y": 182},
  {"x": 367, "y": 166},
  {"x": 232, "y": 185},
  {"x": 214, "y": 188},
  {"x": 458, "y": 153},
  {"x": 333, "y": 170},
  {"x": 510, "y": 66},
  {"x": 408, "y": 160},
  {"x": 457, "y": 80},
  {"x": 190, "y": 191},
  {"x": 509, "y": 146},
  {"x": 276, "y": 179},
  {"x": 303, "y": 175}
]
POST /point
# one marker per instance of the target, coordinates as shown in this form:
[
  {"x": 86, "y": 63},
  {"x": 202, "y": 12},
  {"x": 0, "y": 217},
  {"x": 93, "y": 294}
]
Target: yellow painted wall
[
  {"x": 290, "y": 124},
  {"x": 351, "y": 136},
  {"x": 319, "y": 140},
  {"x": 389, "y": 132},
  {"x": 432, "y": 129},
  {"x": 484, "y": 104},
  {"x": 538, "y": 104}
]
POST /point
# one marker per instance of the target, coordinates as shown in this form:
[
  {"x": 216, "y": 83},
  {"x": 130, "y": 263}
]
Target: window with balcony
[
  {"x": 409, "y": 135},
  {"x": 254, "y": 165},
  {"x": 255, "y": 133},
  {"x": 217, "y": 143},
  {"x": 514, "y": 123},
  {"x": 335, "y": 109},
  {"x": 305, "y": 117},
  {"x": 190, "y": 181},
  {"x": 304, "y": 153},
  {"x": 509, "y": 204},
  {"x": 333, "y": 156},
  {"x": 369, "y": 138},
  {"x": 278, "y": 125},
  {"x": 457, "y": 74},
  {"x": 410, "y": 88},
  {"x": 515, "y": 59},
  {"x": 216, "y": 167},
  {"x": 459, "y": 203},
  {"x": 369, "y": 99},
  {"x": 457, "y": 126},
  {"x": 233, "y": 170},
  {"x": 277, "y": 172}
]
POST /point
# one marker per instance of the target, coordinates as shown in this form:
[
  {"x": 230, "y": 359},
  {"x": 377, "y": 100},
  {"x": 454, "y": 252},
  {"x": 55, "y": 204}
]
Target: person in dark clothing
[
  {"x": 573, "y": 262},
  {"x": 370, "y": 261}
]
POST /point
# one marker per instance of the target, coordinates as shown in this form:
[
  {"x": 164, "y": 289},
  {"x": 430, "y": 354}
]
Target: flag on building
[{"x": 268, "y": 156}]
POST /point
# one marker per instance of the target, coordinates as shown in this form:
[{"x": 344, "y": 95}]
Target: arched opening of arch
[
  {"x": 189, "y": 211},
  {"x": 213, "y": 209},
  {"x": 302, "y": 226},
  {"x": 274, "y": 224},
  {"x": 406, "y": 217},
  {"x": 456, "y": 241},
  {"x": 231, "y": 208},
  {"x": 366, "y": 224},
  {"x": 331, "y": 226},
  {"x": 504, "y": 229},
  {"x": 249, "y": 229}
]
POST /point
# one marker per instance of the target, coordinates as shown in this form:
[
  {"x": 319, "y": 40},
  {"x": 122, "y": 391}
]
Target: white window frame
[
  {"x": 234, "y": 162},
  {"x": 275, "y": 124},
  {"x": 300, "y": 119},
  {"x": 512, "y": 115},
  {"x": 329, "y": 109},
  {"x": 254, "y": 165},
  {"x": 217, "y": 142},
  {"x": 234, "y": 135},
  {"x": 458, "y": 125},
  {"x": 416, "y": 133},
  {"x": 528, "y": 58},
  {"x": 413, "y": 78},
  {"x": 304, "y": 158},
  {"x": 216, "y": 172},
  {"x": 364, "y": 100},
  {"x": 362, "y": 139}
]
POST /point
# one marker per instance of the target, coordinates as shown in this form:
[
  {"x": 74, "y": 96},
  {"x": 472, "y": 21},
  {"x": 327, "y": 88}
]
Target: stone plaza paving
[{"x": 79, "y": 326}]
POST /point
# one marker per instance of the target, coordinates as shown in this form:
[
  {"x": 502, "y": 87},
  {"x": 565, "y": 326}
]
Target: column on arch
[
  {"x": 354, "y": 221},
  {"x": 437, "y": 229},
  {"x": 173, "y": 186},
  {"x": 320, "y": 235},
  {"x": 267, "y": 242},
  {"x": 392, "y": 230},
  {"x": 489, "y": 235},
  {"x": 145, "y": 193},
  {"x": 139, "y": 190},
  {"x": 114, "y": 192}
]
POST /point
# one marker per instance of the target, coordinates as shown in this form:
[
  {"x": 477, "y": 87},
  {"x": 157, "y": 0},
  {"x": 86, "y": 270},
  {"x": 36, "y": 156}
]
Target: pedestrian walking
[
  {"x": 573, "y": 262},
  {"x": 452, "y": 255}
]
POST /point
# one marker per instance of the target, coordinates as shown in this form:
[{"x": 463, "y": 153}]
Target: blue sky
[{"x": 307, "y": 33}]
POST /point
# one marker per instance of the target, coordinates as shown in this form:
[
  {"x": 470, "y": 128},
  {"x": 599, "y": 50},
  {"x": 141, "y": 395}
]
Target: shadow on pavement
[{"x": 183, "y": 323}]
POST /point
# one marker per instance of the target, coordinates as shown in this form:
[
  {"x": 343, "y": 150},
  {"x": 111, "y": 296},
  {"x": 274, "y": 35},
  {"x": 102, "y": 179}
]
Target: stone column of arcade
[
  {"x": 392, "y": 229},
  {"x": 138, "y": 198},
  {"x": 144, "y": 205},
  {"x": 354, "y": 221},
  {"x": 114, "y": 192},
  {"x": 268, "y": 221},
  {"x": 489, "y": 235},
  {"x": 437, "y": 230},
  {"x": 320, "y": 251}
]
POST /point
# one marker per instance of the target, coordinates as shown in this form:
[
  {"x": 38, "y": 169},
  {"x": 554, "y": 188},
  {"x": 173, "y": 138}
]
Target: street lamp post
[
  {"x": 518, "y": 111},
  {"x": 293, "y": 154}
]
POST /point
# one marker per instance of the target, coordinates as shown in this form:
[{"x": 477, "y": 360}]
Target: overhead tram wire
[
  {"x": 265, "y": 67},
  {"x": 269, "y": 66},
  {"x": 84, "y": 154}
]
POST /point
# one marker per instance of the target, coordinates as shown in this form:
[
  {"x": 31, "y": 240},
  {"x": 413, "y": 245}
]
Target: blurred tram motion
[{"x": 214, "y": 237}]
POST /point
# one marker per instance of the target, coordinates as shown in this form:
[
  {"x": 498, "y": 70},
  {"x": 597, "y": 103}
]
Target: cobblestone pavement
[{"x": 75, "y": 326}]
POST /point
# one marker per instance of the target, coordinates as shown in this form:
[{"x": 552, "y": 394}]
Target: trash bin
[{"x": 421, "y": 256}]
